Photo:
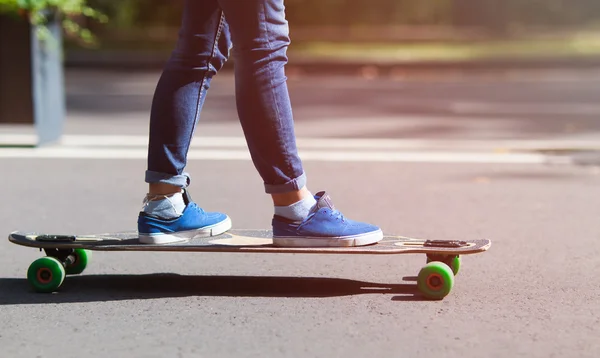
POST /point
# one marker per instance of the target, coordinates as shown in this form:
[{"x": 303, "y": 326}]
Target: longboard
[{"x": 68, "y": 254}]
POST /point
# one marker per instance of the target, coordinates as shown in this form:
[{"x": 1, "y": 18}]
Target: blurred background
[
  {"x": 494, "y": 69},
  {"x": 379, "y": 31}
]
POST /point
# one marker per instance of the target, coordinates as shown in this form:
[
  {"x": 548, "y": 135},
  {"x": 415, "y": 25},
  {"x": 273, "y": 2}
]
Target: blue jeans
[{"x": 259, "y": 34}]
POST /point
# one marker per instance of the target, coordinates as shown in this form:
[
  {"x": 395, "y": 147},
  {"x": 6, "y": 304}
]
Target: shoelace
[
  {"x": 199, "y": 209},
  {"x": 338, "y": 215}
]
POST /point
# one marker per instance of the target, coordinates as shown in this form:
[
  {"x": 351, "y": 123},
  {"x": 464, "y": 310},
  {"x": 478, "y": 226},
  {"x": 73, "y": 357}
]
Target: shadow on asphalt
[{"x": 95, "y": 288}]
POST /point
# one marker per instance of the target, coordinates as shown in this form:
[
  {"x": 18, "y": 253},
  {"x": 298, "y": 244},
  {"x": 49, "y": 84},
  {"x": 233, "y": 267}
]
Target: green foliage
[
  {"x": 128, "y": 13},
  {"x": 501, "y": 15},
  {"x": 497, "y": 16},
  {"x": 40, "y": 12},
  {"x": 480, "y": 13},
  {"x": 368, "y": 12}
]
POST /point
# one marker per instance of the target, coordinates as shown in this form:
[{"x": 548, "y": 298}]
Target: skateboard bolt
[
  {"x": 434, "y": 281},
  {"x": 44, "y": 275}
]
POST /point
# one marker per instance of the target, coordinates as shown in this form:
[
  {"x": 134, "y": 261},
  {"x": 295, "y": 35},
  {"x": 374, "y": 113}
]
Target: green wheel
[
  {"x": 82, "y": 258},
  {"x": 46, "y": 274},
  {"x": 435, "y": 280},
  {"x": 453, "y": 262}
]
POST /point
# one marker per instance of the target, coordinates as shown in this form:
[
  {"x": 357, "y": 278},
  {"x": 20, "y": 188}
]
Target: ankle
[
  {"x": 289, "y": 198},
  {"x": 163, "y": 189},
  {"x": 163, "y": 206},
  {"x": 297, "y": 211}
]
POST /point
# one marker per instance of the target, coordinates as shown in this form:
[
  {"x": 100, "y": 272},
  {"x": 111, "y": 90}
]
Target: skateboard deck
[
  {"x": 69, "y": 254},
  {"x": 257, "y": 241}
]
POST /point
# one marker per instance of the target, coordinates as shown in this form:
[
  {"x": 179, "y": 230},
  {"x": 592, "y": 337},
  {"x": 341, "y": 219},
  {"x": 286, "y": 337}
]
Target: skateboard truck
[{"x": 65, "y": 256}]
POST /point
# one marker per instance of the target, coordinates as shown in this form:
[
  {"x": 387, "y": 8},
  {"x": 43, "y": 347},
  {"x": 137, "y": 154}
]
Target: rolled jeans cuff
[
  {"x": 292, "y": 185},
  {"x": 182, "y": 180}
]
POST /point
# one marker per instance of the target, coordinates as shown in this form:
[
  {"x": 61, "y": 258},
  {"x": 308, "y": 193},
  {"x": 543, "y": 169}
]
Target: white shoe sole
[
  {"x": 343, "y": 241},
  {"x": 183, "y": 236}
]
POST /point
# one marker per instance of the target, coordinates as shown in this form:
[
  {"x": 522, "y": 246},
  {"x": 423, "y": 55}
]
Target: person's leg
[
  {"x": 201, "y": 51},
  {"x": 169, "y": 215},
  {"x": 260, "y": 37}
]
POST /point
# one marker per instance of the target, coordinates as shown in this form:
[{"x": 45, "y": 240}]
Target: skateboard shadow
[{"x": 95, "y": 288}]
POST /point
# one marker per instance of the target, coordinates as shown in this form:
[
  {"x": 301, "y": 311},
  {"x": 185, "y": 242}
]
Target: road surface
[{"x": 509, "y": 158}]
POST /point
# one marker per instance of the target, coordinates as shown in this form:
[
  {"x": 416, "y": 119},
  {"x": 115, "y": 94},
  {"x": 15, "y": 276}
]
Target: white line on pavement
[
  {"x": 137, "y": 141},
  {"x": 307, "y": 155},
  {"x": 511, "y": 108}
]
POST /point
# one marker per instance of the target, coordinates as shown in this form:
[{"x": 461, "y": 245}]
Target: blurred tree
[
  {"x": 134, "y": 13},
  {"x": 500, "y": 15},
  {"x": 487, "y": 14},
  {"x": 497, "y": 17},
  {"x": 367, "y": 12},
  {"x": 122, "y": 13}
]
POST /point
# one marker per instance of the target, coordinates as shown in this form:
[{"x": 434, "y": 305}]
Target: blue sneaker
[
  {"x": 193, "y": 222},
  {"x": 324, "y": 227}
]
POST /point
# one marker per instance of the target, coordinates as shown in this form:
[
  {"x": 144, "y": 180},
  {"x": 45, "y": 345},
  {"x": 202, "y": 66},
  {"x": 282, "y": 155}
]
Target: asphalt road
[{"x": 451, "y": 158}]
